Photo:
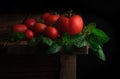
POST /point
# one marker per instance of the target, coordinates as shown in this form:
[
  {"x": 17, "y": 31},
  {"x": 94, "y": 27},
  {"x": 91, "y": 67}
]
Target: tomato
[
  {"x": 29, "y": 34},
  {"x": 72, "y": 25},
  {"x": 45, "y": 15},
  {"x": 51, "y": 20},
  {"x": 20, "y": 28},
  {"x": 39, "y": 28},
  {"x": 30, "y": 22},
  {"x": 51, "y": 32},
  {"x": 63, "y": 24}
]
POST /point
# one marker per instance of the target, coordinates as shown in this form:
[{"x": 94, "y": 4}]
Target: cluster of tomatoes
[{"x": 53, "y": 26}]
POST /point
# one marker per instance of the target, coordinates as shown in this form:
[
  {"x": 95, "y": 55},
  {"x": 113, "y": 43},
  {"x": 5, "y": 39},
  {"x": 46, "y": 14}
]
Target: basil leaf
[
  {"x": 87, "y": 30},
  {"x": 93, "y": 40},
  {"x": 65, "y": 39},
  {"x": 79, "y": 40},
  {"x": 18, "y": 36},
  {"x": 32, "y": 42},
  {"x": 99, "y": 52},
  {"x": 46, "y": 40},
  {"x": 55, "y": 48},
  {"x": 100, "y": 35},
  {"x": 67, "y": 43}
]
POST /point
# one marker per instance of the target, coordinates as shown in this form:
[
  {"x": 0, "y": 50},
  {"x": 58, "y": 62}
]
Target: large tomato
[
  {"x": 51, "y": 19},
  {"x": 72, "y": 25},
  {"x": 39, "y": 28},
  {"x": 20, "y": 28},
  {"x": 51, "y": 32}
]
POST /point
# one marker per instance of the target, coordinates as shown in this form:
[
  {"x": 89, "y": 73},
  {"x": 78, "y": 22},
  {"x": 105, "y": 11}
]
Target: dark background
[{"x": 104, "y": 13}]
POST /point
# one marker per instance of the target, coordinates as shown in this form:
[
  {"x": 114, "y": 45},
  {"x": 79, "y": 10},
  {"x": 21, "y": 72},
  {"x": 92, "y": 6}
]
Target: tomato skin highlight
[
  {"x": 72, "y": 25},
  {"x": 39, "y": 28},
  {"x": 51, "y": 32},
  {"x": 30, "y": 22},
  {"x": 19, "y": 28},
  {"x": 29, "y": 34}
]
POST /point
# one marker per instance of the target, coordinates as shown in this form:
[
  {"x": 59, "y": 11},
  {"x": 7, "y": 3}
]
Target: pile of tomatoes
[{"x": 51, "y": 26}]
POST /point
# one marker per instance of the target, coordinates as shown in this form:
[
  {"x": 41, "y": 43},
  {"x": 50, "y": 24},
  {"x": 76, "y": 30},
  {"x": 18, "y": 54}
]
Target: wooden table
[{"x": 67, "y": 63}]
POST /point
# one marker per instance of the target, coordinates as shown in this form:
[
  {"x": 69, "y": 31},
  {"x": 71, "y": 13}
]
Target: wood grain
[
  {"x": 68, "y": 67},
  {"x": 29, "y": 67}
]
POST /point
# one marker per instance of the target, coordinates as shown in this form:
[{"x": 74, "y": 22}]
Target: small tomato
[
  {"x": 51, "y": 32},
  {"x": 39, "y": 28},
  {"x": 20, "y": 28},
  {"x": 30, "y": 22},
  {"x": 51, "y": 20},
  {"x": 29, "y": 34}
]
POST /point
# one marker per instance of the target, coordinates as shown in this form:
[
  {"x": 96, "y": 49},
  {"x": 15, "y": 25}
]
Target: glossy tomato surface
[
  {"x": 20, "y": 28},
  {"x": 51, "y": 32},
  {"x": 72, "y": 25}
]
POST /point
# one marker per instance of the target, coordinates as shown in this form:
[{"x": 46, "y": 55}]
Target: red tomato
[
  {"x": 45, "y": 15},
  {"x": 72, "y": 25},
  {"x": 20, "y": 28},
  {"x": 63, "y": 24},
  {"x": 39, "y": 28},
  {"x": 29, "y": 34},
  {"x": 51, "y": 32},
  {"x": 76, "y": 24},
  {"x": 51, "y": 20},
  {"x": 30, "y": 22}
]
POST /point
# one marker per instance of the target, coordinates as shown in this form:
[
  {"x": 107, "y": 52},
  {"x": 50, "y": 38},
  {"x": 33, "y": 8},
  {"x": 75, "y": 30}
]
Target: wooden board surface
[{"x": 29, "y": 67}]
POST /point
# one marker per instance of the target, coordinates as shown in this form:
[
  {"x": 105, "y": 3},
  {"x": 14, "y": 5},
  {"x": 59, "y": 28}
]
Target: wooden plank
[
  {"x": 37, "y": 50},
  {"x": 30, "y": 67},
  {"x": 68, "y": 67},
  {"x": 22, "y": 48}
]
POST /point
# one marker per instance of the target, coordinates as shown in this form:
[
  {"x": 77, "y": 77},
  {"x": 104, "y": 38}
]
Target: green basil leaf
[
  {"x": 66, "y": 40},
  {"x": 84, "y": 43},
  {"x": 32, "y": 42},
  {"x": 87, "y": 30},
  {"x": 99, "y": 52},
  {"x": 79, "y": 40},
  {"x": 55, "y": 48},
  {"x": 46, "y": 40},
  {"x": 93, "y": 40},
  {"x": 77, "y": 37},
  {"x": 100, "y": 35},
  {"x": 18, "y": 36}
]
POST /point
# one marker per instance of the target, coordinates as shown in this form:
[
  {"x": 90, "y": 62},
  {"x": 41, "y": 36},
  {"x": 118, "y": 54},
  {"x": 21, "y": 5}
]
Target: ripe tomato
[
  {"x": 30, "y": 22},
  {"x": 45, "y": 15},
  {"x": 51, "y": 20},
  {"x": 63, "y": 24},
  {"x": 20, "y": 28},
  {"x": 51, "y": 32},
  {"x": 39, "y": 28},
  {"x": 72, "y": 25},
  {"x": 29, "y": 34}
]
